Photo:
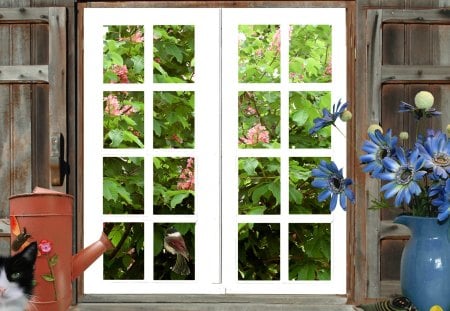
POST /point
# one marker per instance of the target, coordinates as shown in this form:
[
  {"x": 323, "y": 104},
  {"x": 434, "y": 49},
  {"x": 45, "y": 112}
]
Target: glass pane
[
  {"x": 123, "y": 185},
  {"x": 259, "y": 186},
  {"x": 259, "y": 251},
  {"x": 173, "y": 54},
  {"x": 302, "y": 196},
  {"x": 126, "y": 260},
  {"x": 168, "y": 265},
  {"x": 304, "y": 107},
  {"x": 259, "y": 119},
  {"x": 309, "y": 252},
  {"x": 173, "y": 185},
  {"x": 259, "y": 53},
  {"x": 310, "y": 53},
  {"x": 123, "y": 54},
  {"x": 123, "y": 120},
  {"x": 173, "y": 119}
]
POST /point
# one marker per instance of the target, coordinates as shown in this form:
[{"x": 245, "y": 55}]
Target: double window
[{"x": 198, "y": 120}]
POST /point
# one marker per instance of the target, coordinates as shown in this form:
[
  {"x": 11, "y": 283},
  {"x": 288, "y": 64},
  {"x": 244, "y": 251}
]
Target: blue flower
[
  {"x": 377, "y": 148},
  {"x": 443, "y": 202},
  {"x": 418, "y": 113},
  {"x": 402, "y": 172},
  {"x": 330, "y": 178},
  {"x": 328, "y": 118},
  {"x": 436, "y": 152}
]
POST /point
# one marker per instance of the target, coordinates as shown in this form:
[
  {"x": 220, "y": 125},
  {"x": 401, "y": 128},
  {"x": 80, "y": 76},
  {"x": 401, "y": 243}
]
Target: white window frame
[{"x": 216, "y": 150}]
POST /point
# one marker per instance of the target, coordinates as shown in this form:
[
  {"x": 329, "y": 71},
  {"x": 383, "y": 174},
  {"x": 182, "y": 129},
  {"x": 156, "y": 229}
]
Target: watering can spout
[{"x": 85, "y": 257}]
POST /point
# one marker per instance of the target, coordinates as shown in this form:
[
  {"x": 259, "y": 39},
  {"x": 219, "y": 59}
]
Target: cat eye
[{"x": 15, "y": 275}]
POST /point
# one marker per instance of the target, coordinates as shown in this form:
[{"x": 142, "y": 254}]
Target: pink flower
[
  {"x": 276, "y": 41},
  {"x": 114, "y": 108},
  {"x": 121, "y": 72},
  {"x": 256, "y": 134},
  {"x": 45, "y": 246},
  {"x": 187, "y": 178},
  {"x": 137, "y": 37},
  {"x": 250, "y": 111}
]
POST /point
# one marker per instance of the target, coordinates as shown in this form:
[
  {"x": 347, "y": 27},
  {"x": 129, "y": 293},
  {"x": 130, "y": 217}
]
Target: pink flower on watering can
[{"x": 45, "y": 246}]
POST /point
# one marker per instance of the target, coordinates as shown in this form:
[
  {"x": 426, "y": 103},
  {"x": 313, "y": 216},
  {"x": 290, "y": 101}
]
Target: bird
[{"x": 174, "y": 244}]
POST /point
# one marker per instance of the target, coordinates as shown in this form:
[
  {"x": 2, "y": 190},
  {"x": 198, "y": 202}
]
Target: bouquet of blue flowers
[{"x": 416, "y": 177}]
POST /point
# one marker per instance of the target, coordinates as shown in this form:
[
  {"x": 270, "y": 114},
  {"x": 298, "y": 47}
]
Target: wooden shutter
[
  {"x": 408, "y": 51},
  {"x": 32, "y": 98}
]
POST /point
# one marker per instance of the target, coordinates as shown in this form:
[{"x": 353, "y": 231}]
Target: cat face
[{"x": 16, "y": 278}]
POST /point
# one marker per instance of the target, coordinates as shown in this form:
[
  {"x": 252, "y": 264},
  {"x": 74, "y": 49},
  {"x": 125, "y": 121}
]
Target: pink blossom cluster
[
  {"x": 276, "y": 41},
  {"x": 328, "y": 69},
  {"x": 187, "y": 178},
  {"x": 256, "y": 134},
  {"x": 121, "y": 72},
  {"x": 250, "y": 111},
  {"x": 137, "y": 37},
  {"x": 114, "y": 108}
]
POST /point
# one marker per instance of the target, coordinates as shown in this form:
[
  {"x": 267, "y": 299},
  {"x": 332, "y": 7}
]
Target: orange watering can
[{"x": 45, "y": 216}]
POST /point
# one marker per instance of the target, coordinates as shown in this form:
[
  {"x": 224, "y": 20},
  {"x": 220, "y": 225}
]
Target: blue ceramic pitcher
[{"x": 425, "y": 263}]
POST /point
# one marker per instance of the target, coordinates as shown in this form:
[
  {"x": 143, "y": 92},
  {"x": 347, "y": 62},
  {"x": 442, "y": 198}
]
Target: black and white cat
[{"x": 17, "y": 279}]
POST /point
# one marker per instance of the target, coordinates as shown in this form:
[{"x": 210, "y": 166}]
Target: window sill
[{"x": 214, "y": 303}]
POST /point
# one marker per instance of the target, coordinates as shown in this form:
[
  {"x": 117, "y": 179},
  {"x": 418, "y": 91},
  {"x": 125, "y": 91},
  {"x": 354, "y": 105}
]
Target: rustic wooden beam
[
  {"x": 23, "y": 15},
  {"x": 24, "y": 74},
  {"x": 396, "y": 73},
  {"x": 436, "y": 16}
]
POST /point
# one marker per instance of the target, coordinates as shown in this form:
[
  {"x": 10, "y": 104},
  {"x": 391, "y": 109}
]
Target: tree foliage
[
  {"x": 173, "y": 54},
  {"x": 173, "y": 119},
  {"x": 123, "y": 120},
  {"x": 123, "y": 54}
]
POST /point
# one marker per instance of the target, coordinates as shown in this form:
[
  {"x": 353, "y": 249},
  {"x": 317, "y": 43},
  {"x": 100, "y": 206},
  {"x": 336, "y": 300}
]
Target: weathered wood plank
[
  {"x": 436, "y": 16},
  {"x": 397, "y": 73},
  {"x": 5, "y": 148},
  {"x": 393, "y": 44},
  {"x": 21, "y": 139},
  {"x": 57, "y": 75},
  {"x": 24, "y": 74},
  {"x": 23, "y": 15}
]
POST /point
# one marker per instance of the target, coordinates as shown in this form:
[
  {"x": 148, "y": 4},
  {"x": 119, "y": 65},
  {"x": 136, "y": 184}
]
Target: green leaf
[
  {"x": 53, "y": 260},
  {"x": 48, "y": 277},
  {"x": 110, "y": 189},
  {"x": 177, "y": 199},
  {"x": 274, "y": 187},
  {"x": 300, "y": 117},
  {"x": 259, "y": 191},
  {"x": 249, "y": 165},
  {"x": 116, "y": 137}
]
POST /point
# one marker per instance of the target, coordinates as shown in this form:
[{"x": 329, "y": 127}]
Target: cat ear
[{"x": 30, "y": 252}]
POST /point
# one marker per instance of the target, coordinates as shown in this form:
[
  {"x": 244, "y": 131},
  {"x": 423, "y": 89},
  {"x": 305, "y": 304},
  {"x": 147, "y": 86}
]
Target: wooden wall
[{"x": 31, "y": 65}]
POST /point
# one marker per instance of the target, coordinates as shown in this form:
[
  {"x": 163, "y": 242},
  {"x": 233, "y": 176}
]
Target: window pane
[
  {"x": 302, "y": 196},
  {"x": 259, "y": 53},
  {"x": 173, "y": 185},
  {"x": 126, "y": 260},
  {"x": 173, "y": 119},
  {"x": 259, "y": 119},
  {"x": 304, "y": 107},
  {"x": 123, "y": 185},
  {"x": 123, "y": 54},
  {"x": 165, "y": 263},
  {"x": 310, "y": 53},
  {"x": 259, "y": 251},
  {"x": 259, "y": 186},
  {"x": 309, "y": 252},
  {"x": 173, "y": 54},
  {"x": 123, "y": 120}
]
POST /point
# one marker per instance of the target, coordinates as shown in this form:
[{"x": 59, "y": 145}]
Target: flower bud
[
  {"x": 448, "y": 129},
  {"x": 403, "y": 135},
  {"x": 346, "y": 116},
  {"x": 373, "y": 127},
  {"x": 424, "y": 100}
]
